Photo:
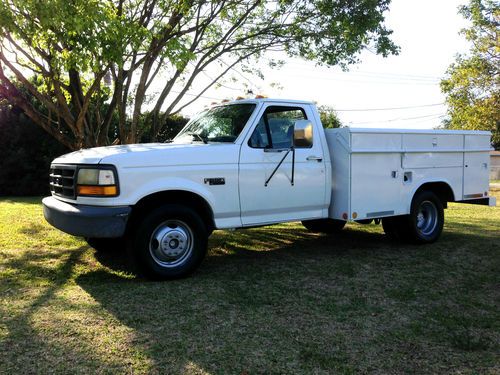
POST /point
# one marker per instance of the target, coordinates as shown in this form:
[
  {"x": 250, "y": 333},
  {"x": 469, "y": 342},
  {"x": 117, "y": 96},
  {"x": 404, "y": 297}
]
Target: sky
[{"x": 395, "y": 92}]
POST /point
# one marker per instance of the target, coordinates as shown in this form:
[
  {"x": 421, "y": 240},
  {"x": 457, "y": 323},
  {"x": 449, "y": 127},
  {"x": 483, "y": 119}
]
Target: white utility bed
[{"x": 375, "y": 172}]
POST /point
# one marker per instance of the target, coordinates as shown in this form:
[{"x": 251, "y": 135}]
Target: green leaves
[
  {"x": 74, "y": 44},
  {"x": 334, "y": 32},
  {"x": 329, "y": 117},
  {"x": 472, "y": 85},
  {"x": 80, "y": 34},
  {"x": 178, "y": 53}
]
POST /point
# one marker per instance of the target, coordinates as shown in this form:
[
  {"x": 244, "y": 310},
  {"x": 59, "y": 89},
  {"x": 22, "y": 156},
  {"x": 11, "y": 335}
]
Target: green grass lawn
[{"x": 269, "y": 300}]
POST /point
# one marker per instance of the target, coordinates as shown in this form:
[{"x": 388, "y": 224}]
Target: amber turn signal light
[{"x": 97, "y": 190}]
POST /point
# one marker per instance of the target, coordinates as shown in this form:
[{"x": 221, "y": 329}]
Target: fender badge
[{"x": 215, "y": 181}]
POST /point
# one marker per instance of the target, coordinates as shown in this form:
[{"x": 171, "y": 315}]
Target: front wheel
[
  {"x": 425, "y": 222},
  {"x": 328, "y": 226},
  {"x": 170, "y": 242}
]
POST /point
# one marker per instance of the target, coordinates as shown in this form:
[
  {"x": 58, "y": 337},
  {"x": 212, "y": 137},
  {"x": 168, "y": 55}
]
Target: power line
[
  {"x": 239, "y": 73},
  {"x": 434, "y": 115},
  {"x": 218, "y": 83},
  {"x": 395, "y": 75},
  {"x": 387, "y": 109},
  {"x": 366, "y": 80},
  {"x": 337, "y": 110},
  {"x": 200, "y": 96},
  {"x": 372, "y": 77},
  {"x": 357, "y": 77},
  {"x": 405, "y": 76}
]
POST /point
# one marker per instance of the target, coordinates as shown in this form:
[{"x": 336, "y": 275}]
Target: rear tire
[
  {"x": 328, "y": 226},
  {"x": 170, "y": 242},
  {"x": 391, "y": 226},
  {"x": 425, "y": 222}
]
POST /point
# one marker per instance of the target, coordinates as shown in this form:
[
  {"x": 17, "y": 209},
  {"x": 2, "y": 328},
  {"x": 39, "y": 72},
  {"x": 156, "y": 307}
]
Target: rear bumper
[
  {"x": 488, "y": 201},
  {"x": 86, "y": 221}
]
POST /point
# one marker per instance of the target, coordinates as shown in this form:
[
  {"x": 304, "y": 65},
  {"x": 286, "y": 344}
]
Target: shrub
[{"x": 26, "y": 151}]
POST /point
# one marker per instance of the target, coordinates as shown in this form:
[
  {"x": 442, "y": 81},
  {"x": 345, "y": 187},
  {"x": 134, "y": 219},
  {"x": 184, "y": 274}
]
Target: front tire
[
  {"x": 328, "y": 226},
  {"x": 170, "y": 242}
]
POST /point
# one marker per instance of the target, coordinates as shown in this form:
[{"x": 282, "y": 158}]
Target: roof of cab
[{"x": 267, "y": 100}]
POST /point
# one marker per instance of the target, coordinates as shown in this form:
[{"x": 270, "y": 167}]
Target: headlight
[{"x": 97, "y": 182}]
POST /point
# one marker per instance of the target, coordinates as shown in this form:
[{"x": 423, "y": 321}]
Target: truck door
[{"x": 281, "y": 199}]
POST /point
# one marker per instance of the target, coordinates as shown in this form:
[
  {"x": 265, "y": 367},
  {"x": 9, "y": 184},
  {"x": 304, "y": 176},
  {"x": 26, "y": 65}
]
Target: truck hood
[{"x": 154, "y": 154}]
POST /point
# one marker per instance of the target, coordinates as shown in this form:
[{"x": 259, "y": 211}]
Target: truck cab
[{"x": 248, "y": 163}]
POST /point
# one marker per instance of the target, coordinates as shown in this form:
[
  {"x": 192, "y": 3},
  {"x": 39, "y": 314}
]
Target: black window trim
[{"x": 268, "y": 128}]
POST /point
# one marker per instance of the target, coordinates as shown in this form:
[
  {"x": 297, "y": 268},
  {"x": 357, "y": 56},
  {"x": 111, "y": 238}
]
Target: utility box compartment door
[
  {"x": 476, "y": 166},
  {"x": 432, "y": 142},
  {"x": 376, "y": 185}
]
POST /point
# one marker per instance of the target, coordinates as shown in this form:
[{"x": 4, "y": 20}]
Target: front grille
[{"x": 62, "y": 180}]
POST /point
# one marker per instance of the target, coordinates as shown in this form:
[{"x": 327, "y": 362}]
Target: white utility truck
[{"x": 256, "y": 162}]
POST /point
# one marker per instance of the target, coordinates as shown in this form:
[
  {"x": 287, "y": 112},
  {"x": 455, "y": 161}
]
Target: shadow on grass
[
  {"x": 299, "y": 302},
  {"x": 23, "y": 200},
  {"x": 263, "y": 246},
  {"x": 266, "y": 300},
  {"x": 34, "y": 230},
  {"x": 229, "y": 251},
  {"x": 34, "y": 266},
  {"x": 22, "y": 338}
]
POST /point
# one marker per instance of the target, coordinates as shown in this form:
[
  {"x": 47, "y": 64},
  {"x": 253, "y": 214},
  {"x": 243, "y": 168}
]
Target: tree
[
  {"x": 86, "y": 50},
  {"x": 26, "y": 152},
  {"x": 472, "y": 84},
  {"x": 329, "y": 117}
]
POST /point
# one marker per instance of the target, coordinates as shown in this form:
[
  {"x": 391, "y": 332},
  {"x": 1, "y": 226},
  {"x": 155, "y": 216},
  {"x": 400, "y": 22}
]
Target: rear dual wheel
[
  {"x": 423, "y": 225},
  {"x": 391, "y": 226}
]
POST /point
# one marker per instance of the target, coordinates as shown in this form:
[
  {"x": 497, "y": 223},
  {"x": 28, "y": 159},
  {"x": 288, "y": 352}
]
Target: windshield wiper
[{"x": 197, "y": 136}]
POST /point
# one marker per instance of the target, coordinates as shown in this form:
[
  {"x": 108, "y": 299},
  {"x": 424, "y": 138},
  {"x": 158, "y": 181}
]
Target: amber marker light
[{"x": 97, "y": 190}]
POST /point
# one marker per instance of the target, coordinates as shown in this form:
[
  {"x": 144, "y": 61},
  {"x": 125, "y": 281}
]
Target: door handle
[
  {"x": 316, "y": 158},
  {"x": 276, "y": 150}
]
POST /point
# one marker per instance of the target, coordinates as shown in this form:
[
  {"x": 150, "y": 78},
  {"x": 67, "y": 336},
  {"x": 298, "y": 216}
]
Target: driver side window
[{"x": 275, "y": 127}]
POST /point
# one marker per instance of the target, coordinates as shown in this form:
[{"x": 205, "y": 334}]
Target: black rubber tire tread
[
  {"x": 408, "y": 229},
  {"x": 105, "y": 245},
  {"x": 390, "y": 226},
  {"x": 328, "y": 226},
  {"x": 145, "y": 263}
]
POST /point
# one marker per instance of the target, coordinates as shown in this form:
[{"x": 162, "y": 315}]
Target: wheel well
[
  {"x": 441, "y": 189},
  {"x": 192, "y": 200}
]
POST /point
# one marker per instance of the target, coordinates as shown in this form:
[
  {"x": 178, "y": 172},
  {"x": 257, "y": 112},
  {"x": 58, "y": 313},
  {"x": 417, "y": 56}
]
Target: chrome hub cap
[
  {"x": 171, "y": 243},
  {"x": 427, "y": 218}
]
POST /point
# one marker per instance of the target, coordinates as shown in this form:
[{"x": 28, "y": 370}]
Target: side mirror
[{"x": 303, "y": 133}]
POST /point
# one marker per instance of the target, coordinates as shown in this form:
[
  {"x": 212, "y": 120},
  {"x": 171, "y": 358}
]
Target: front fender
[
  {"x": 223, "y": 199},
  {"x": 171, "y": 183}
]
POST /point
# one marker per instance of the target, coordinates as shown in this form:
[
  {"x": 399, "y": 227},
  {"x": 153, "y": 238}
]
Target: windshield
[{"x": 219, "y": 124}]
